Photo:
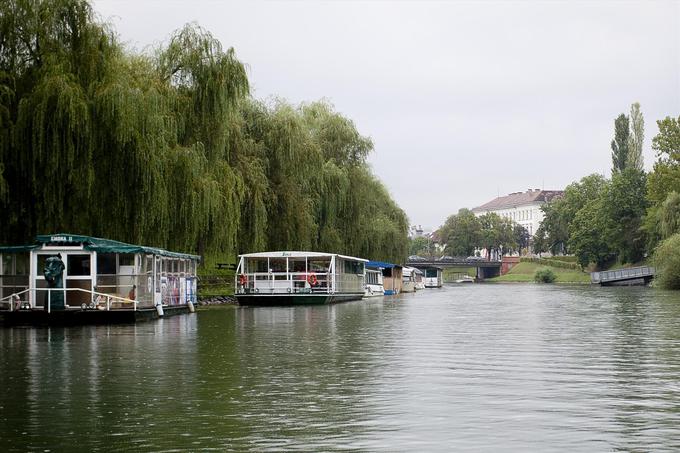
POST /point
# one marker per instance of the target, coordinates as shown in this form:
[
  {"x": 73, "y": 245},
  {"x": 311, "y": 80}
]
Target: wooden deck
[{"x": 631, "y": 276}]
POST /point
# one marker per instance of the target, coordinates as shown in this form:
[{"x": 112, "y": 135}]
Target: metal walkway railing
[
  {"x": 618, "y": 275},
  {"x": 100, "y": 301}
]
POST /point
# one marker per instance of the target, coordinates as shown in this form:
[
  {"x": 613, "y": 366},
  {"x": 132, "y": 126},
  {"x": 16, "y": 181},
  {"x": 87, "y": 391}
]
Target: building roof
[
  {"x": 298, "y": 254},
  {"x": 95, "y": 244},
  {"x": 517, "y": 199}
]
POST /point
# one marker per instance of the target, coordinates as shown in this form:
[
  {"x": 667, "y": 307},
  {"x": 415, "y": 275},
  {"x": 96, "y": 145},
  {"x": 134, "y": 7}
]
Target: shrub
[
  {"x": 667, "y": 263},
  {"x": 544, "y": 275}
]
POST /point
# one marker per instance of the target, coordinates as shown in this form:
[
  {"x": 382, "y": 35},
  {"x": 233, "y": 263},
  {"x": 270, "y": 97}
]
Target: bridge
[
  {"x": 624, "y": 277},
  {"x": 485, "y": 269}
]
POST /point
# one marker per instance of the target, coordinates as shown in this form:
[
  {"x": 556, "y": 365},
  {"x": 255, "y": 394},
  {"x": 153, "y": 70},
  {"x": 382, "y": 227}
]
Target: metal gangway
[{"x": 627, "y": 276}]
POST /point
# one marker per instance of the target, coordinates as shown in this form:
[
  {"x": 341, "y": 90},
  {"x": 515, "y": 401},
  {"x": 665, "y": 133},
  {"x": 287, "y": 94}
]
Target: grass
[
  {"x": 524, "y": 272},
  {"x": 454, "y": 273}
]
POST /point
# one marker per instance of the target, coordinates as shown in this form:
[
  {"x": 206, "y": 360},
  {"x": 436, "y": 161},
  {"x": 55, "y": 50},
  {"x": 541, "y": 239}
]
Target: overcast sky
[{"x": 463, "y": 100}]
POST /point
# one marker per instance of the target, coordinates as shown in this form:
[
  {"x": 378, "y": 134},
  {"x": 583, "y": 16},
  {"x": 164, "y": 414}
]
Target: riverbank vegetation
[
  {"x": 525, "y": 271},
  {"x": 168, "y": 148}
]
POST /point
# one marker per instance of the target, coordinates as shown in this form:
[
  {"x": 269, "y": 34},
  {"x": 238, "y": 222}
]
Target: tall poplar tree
[
  {"x": 620, "y": 144},
  {"x": 636, "y": 138}
]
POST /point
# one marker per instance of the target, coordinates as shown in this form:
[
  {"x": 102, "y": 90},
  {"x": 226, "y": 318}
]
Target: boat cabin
[
  {"x": 392, "y": 276},
  {"x": 408, "y": 280},
  {"x": 374, "y": 282},
  {"x": 72, "y": 272},
  {"x": 294, "y": 277},
  {"x": 433, "y": 276}
]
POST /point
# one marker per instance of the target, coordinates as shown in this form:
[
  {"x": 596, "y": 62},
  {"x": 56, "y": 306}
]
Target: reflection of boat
[
  {"x": 374, "y": 282},
  {"x": 295, "y": 278},
  {"x": 408, "y": 280},
  {"x": 466, "y": 279}
]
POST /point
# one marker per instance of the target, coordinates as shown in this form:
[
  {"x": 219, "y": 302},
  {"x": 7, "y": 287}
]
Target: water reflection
[{"x": 475, "y": 367}]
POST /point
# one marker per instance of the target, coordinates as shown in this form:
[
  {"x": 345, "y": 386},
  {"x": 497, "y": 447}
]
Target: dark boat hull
[{"x": 294, "y": 299}]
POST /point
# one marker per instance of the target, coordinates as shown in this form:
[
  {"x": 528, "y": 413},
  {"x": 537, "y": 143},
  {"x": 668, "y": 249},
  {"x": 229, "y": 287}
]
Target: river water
[{"x": 475, "y": 368}]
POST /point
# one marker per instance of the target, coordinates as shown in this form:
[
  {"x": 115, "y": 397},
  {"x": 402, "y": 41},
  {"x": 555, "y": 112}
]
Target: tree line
[{"x": 168, "y": 148}]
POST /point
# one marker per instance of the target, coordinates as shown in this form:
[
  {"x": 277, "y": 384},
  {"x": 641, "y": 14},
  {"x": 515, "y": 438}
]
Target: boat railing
[
  {"x": 285, "y": 282},
  {"x": 100, "y": 301}
]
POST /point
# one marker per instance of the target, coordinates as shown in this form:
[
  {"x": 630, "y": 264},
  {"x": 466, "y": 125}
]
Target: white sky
[{"x": 464, "y": 100}]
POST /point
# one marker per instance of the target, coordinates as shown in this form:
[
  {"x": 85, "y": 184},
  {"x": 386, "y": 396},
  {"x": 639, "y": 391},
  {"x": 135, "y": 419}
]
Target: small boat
[
  {"x": 408, "y": 280},
  {"x": 433, "y": 277},
  {"x": 392, "y": 276},
  {"x": 374, "y": 282},
  {"x": 298, "y": 278},
  {"x": 465, "y": 279},
  {"x": 420, "y": 283}
]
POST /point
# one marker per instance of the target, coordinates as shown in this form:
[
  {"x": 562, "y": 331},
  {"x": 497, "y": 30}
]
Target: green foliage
[
  {"x": 623, "y": 206},
  {"x": 521, "y": 237},
  {"x": 589, "y": 233},
  {"x": 554, "y": 262},
  {"x": 636, "y": 138},
  {"x": 667, "y": 142},
  {"x": 544, "y": 275},
  {"x": 669, "y": 216},
  {"x": 169, "y": 150},
  {"x": 496, "y": 233},
  {"x": 461, "y": 233},
  {"x": 620, "y": 144},
  {"x": 421, "y": 246},
  {"x": 667, "y": 263}
]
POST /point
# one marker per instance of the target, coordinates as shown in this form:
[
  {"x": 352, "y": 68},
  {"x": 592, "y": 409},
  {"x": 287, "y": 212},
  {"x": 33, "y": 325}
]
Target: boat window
[
  {"x": 296, "y": 264},
  {"x": 354, "y": 267},
  {"x": 21, "y": 262},
  {"x": 78, "y": 265},
  {"x": 277, "y": 264},
  {"x": 431, "y": 273},
  {"x": 387, "y": 272},
  {"x": 126, "y": 259},
  {"x": 319, "y": 265},
  {"x": 257, "y": 265},
  {"x": 106, "y": 263}
]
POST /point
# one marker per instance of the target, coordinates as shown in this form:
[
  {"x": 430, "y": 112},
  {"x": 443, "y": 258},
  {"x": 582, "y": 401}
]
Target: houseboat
[
  {"x": 420, "y": 283},
  {"x": 392, "y": 276},
  {"x": 433, "y": 277},
  {"x": 374, "y": 282},
  {"x": 408, "y": 280},
  {"x": 298, "y": 278},
  {"x": 74, "y": 279}
]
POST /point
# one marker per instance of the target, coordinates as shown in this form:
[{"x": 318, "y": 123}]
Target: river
[{"x": 489, "y": 367}]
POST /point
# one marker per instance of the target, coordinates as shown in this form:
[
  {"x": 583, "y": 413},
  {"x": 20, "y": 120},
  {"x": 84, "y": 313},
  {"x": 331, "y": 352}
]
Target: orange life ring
[
  {"x": 313, "y": 281},
  {"x": 242, "y": 279}
]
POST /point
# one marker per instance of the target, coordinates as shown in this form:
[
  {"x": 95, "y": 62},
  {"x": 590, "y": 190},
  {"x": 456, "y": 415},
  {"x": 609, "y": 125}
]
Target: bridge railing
[{"x": 622, "y": 274}]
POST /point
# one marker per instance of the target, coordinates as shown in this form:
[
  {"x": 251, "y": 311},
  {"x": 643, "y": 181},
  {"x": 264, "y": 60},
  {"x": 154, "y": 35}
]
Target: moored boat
[
  {"x": 298, "y": 278},
  {"x": 433, "y": 277},
  {"x": 408, "y": 280},
  {"x": 76, "y": 279},
  {"x": 374, "y": 282},
  {"x": 392, "y": 276}
]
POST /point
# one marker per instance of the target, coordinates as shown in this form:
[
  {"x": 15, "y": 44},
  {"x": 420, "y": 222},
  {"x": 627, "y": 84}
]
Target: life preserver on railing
[
  {"x": 242, "y": 279},
  {"x": 313, "y": 281}
]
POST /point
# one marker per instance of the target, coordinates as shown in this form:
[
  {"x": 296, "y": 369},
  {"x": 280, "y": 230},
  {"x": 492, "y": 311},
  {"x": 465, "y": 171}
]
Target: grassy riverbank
[{"x": 524, "y": 272}]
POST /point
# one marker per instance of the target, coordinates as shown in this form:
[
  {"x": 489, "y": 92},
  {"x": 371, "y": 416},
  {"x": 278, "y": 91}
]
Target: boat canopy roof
[
  {"x": 95, "y": 244},
  {"x": 381, "y": 264},
  {"x": 411, "y": 270},
  {"x": 298, "y": 254}
]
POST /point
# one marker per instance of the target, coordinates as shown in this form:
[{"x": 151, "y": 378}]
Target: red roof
[{"x": 516, "y": 199}]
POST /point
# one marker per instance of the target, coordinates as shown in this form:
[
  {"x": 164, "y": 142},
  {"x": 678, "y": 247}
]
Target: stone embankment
[{"x": 217, "y": 300}]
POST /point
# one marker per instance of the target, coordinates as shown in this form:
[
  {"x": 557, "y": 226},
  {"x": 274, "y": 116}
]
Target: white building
[{"x": 523, "y": 208}]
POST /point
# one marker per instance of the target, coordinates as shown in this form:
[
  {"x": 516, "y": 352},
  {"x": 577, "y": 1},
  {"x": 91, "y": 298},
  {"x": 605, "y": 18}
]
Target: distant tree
[
  {"x": 540, "y": 240},
  {"x": 521, "y": 237},
  {"x": 419, "y": 246},
  {"x": 669, "y": 216},
  {"x": 624, "y": 206},
  {"x": 667, "y": 263},
  {"x": 636, "y": 138},
  {"x": 496, "y": 234},
  {"x": 667, "y": 142},
  {"x": 620, "y": 144},
  {"x": 589, "y": 235},
  {"x": 461, "y": 233}
]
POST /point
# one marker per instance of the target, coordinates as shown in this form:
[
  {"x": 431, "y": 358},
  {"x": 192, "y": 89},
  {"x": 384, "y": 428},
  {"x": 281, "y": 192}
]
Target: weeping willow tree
[{"x": 169, "y": 149}]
